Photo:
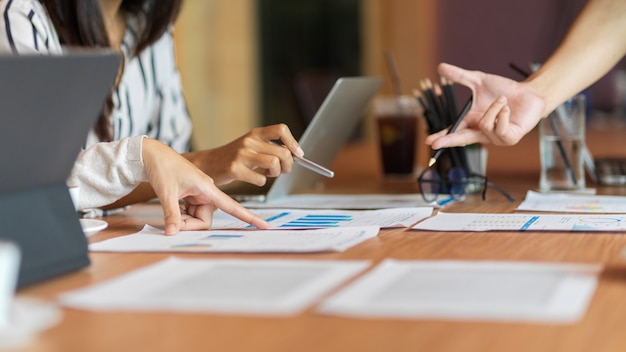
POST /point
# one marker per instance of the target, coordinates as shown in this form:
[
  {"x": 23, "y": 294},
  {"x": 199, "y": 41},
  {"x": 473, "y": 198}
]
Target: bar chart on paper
[
  {"x": 294, "y": 219},
  {"x": 318, "y": 220}
]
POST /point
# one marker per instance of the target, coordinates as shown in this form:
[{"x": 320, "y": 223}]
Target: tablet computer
[{"x": 49, "y": 103}]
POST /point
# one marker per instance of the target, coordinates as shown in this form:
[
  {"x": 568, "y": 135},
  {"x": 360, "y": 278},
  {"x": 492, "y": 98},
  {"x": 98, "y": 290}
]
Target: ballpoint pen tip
[{"x": 431, "y": 162}]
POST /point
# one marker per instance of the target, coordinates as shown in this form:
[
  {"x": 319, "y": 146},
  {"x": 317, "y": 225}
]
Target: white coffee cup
[{"x": 9, "y": 266}]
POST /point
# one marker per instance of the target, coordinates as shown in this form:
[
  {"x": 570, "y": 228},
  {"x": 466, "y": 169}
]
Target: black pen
[{"x": 464, "y": 111}]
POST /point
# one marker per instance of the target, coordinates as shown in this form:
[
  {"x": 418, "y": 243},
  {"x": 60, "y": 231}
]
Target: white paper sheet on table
[
  {"x": 267, "y": 287},
  {"x": 576, "y": 203},
  {"x": 316, "y": 218},
  {"x": 464, "y": 290},
  {"x": 152, "y": 239},
  {"x": 523, "y": 222},
  {"x": 344, "y": 201}
]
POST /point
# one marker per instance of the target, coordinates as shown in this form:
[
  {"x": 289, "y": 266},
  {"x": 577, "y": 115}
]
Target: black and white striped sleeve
[
  {"x": 174, "y": 121},
  {"x": 25, "y": 28}
]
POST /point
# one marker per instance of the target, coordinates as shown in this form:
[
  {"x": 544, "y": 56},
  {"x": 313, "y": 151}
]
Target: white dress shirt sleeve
[{"x": 105, "y": 172}]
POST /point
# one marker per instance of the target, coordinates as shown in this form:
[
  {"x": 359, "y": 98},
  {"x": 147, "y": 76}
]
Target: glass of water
[{"x": 561, "y": 143}]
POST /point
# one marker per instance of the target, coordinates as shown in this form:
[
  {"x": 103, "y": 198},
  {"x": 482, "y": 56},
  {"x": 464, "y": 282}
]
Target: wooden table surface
[{"x": 601, "y": 329}]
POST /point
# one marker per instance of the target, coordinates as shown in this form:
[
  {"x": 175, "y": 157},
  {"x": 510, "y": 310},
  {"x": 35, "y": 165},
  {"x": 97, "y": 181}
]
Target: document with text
[
  {"x": 201, "y": 286},
  {"x": 572, "y": 203},
  {"x": 316, "y": 218},
  {"x": 469, "y": 291},
  {"x": 523, "y": 222},
  {"x": 152, "y": 239}
]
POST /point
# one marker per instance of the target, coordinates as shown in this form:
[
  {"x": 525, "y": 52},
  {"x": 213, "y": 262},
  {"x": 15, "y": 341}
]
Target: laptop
[
  {"x": 330, "y": 128},
  {"x": 48, "y": 105},
  {"x": 605, "y": 171}
]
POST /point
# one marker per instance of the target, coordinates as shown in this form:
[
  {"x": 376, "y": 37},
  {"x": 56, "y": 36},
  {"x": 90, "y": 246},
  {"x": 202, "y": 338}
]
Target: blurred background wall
[
  {"x": 217, "y": 54},
  {"x": 241, "y": 60},
  {"x": 247, "y": 63}
]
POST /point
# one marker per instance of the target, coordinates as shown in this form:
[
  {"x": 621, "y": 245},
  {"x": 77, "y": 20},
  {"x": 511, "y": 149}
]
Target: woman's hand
[
  {"x": 174, "y": 178},
  {"x": 252, "y": 158},
  {"x": 503, "y": 110}
]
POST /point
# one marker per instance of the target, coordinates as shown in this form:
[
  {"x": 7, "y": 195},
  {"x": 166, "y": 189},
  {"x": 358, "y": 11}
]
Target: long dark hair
[{"x": 80, "y": 23}]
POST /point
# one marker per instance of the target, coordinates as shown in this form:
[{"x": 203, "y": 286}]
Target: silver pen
[
  {"x": 306, "y": 163},
  {"x": 313, "y": 166}
]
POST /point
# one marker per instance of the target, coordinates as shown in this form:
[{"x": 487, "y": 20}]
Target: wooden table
[{"x": 601, "y": 329}]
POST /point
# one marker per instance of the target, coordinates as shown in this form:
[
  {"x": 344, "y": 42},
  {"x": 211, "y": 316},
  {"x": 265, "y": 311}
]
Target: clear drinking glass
[{"x": 561, "y": 143}]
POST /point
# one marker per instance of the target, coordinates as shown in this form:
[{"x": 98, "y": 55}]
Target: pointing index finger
[{"x": 232, "y": 207}]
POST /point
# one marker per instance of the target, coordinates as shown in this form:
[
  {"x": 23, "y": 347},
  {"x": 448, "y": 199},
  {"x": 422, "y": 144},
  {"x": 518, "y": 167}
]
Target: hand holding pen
[
  {"x": 245, "y": 157},
  {"x": 458, "y": 121},
  {"x": 502, "y": 112}
]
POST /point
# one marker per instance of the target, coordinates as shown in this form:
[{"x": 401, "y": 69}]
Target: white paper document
[
  {"x": 344, "y": 201},
  {"x": 268, "y": 287},
  {"x": 523, "y": 222},
  {"x": 563, "y": 202},
  {"x": 316, "y": 218},
  {"x": 467, "y": 290},
  {"x": 152, "y": 239}
]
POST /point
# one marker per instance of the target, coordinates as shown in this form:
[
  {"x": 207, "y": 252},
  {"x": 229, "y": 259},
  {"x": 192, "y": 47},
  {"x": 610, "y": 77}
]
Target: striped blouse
[{"x": 148, "y": 101}]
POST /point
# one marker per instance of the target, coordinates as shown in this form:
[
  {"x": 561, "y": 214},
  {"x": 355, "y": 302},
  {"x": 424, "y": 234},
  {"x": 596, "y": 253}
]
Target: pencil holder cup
[{"x": 561, "y": 143}]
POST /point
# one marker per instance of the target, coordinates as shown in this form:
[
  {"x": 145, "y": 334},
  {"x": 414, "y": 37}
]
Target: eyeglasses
[{"x": 456, "y": 184}]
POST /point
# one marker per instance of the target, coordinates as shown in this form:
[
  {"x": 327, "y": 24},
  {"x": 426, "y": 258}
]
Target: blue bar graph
[{"x": 322, "y": 220}]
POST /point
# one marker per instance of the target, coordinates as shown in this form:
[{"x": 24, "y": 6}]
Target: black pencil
[
  {"x": 427, "y": 114},
  {"x": 427, "y": 90},
  {"x": 450, "y": 97},
  {"x": 464, "y": 111},
  {"x": 443, "y": 103},
  {"x": 448, "y": 91}
]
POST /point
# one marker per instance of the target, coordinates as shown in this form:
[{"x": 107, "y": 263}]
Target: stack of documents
[{"x": 297, "y": 231}]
